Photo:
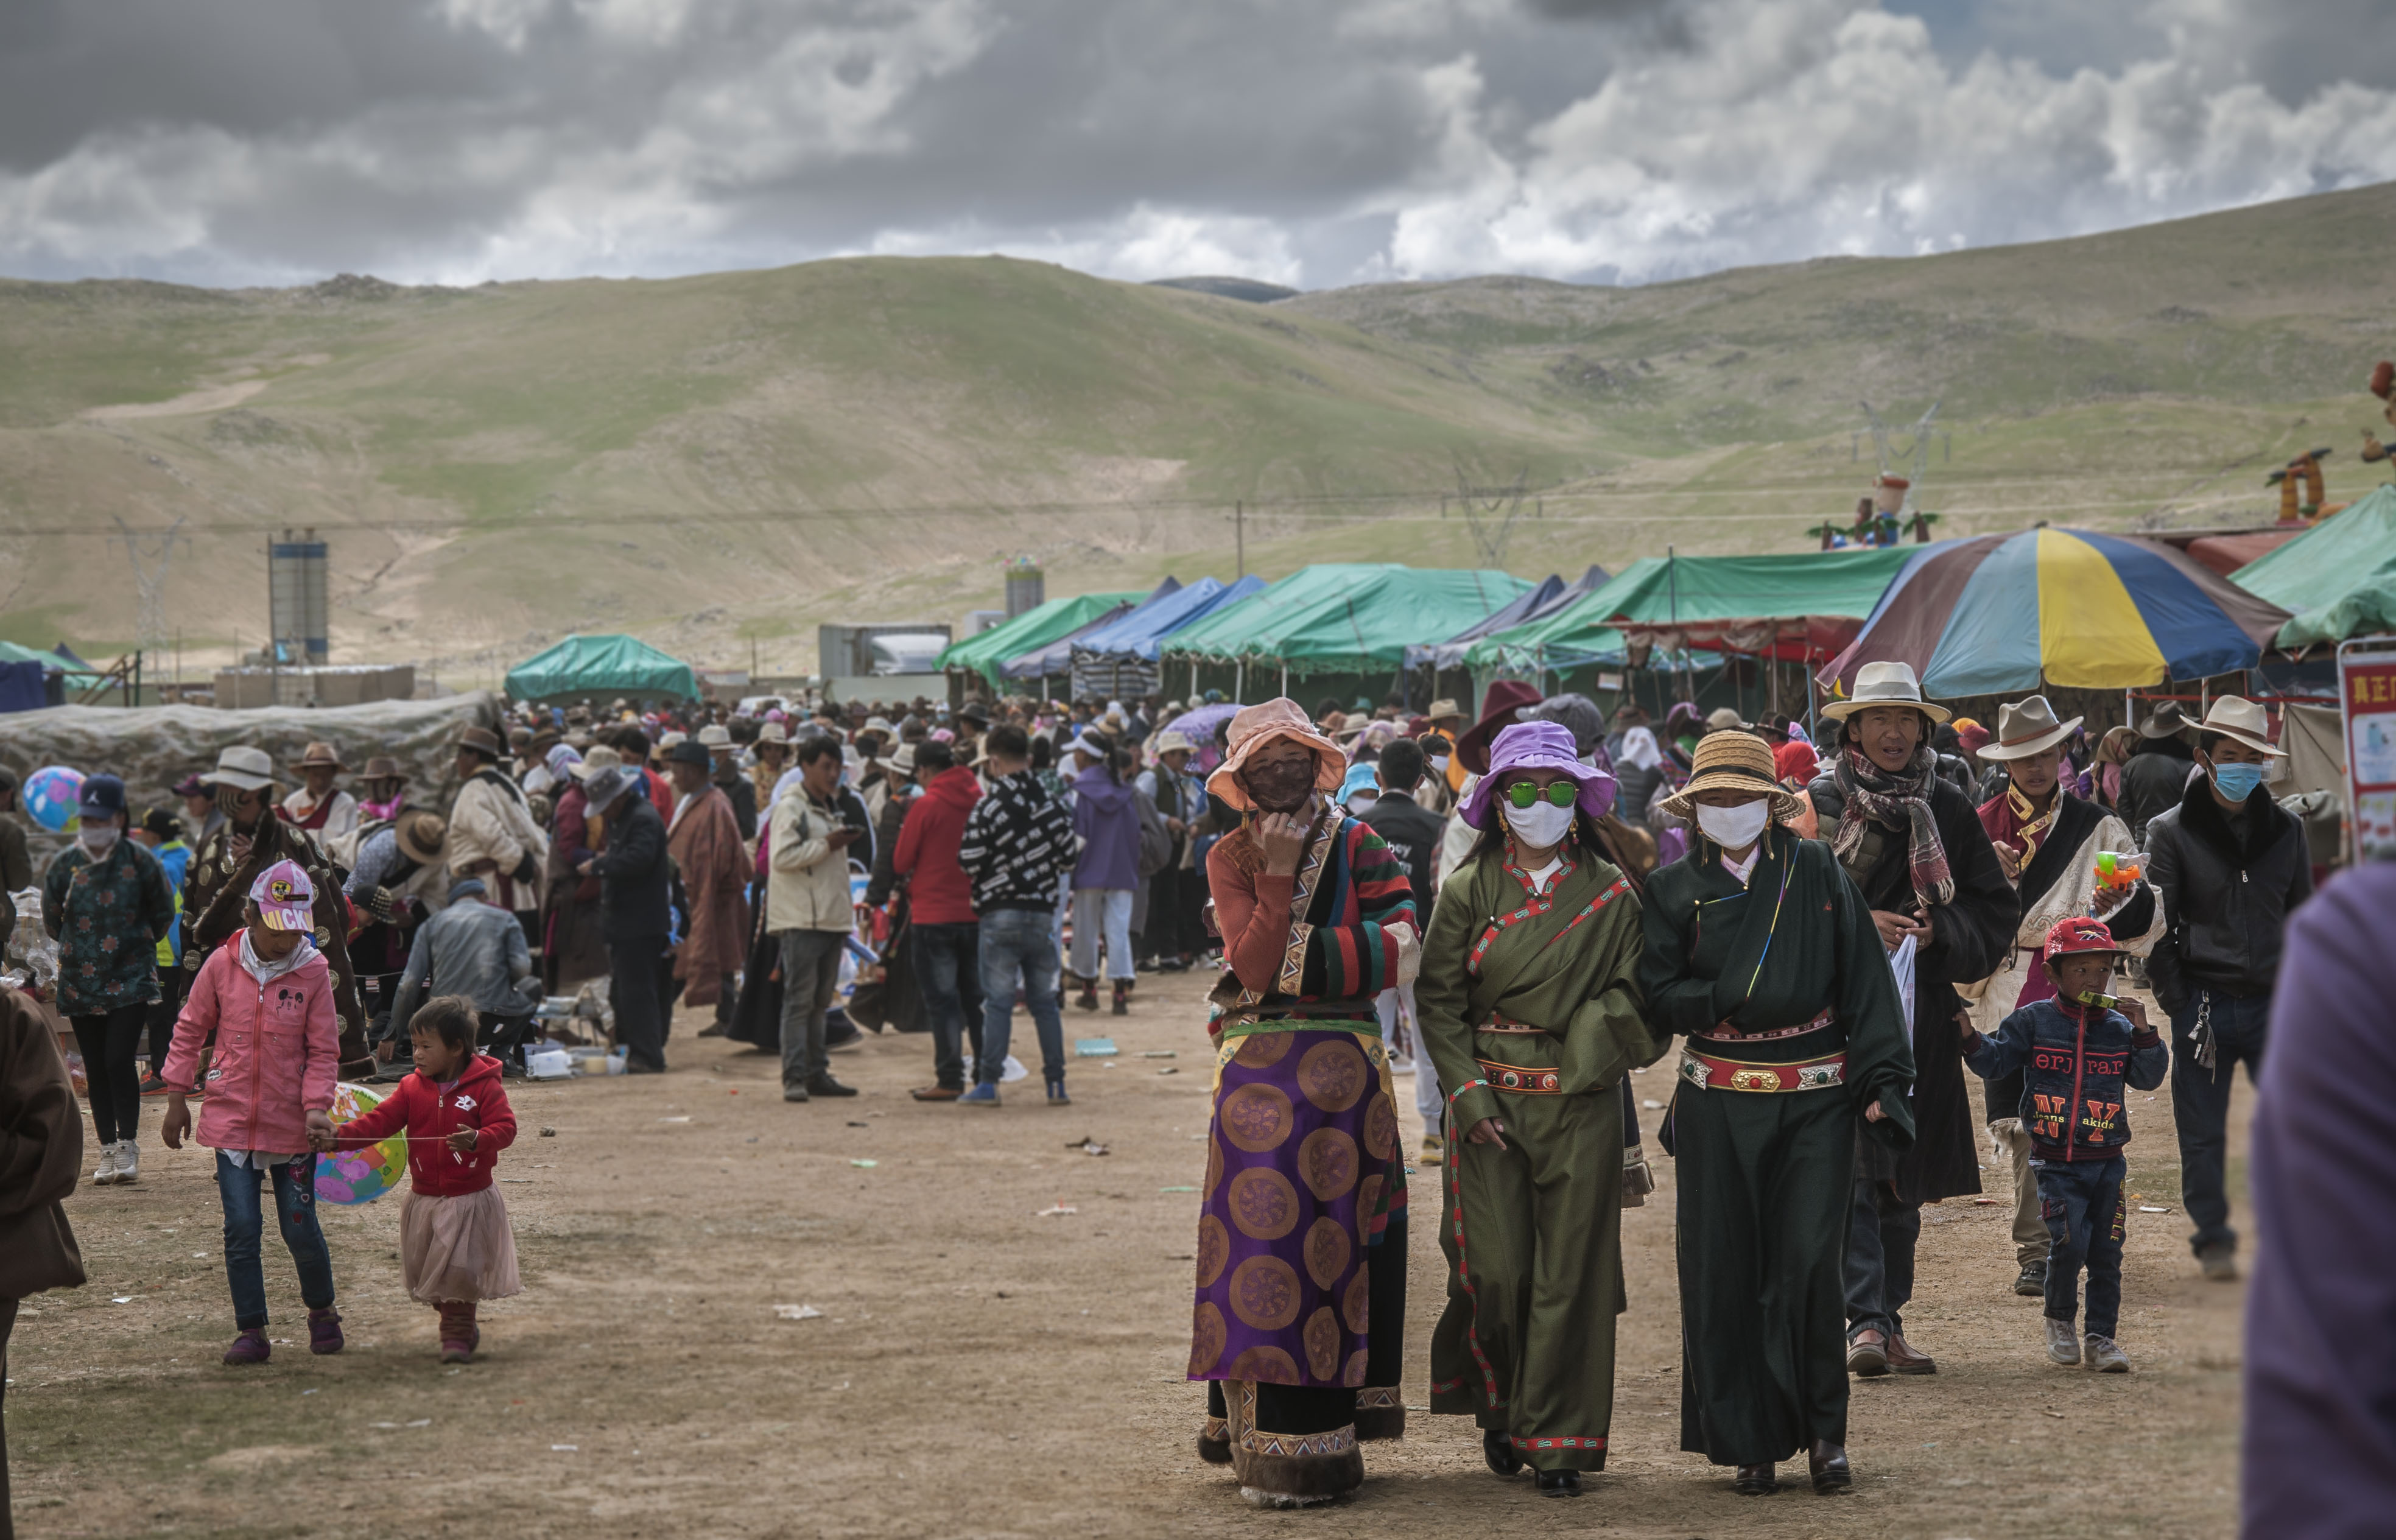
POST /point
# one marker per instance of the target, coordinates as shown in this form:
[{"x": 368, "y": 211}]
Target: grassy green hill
[{"x": 720, "y": 460}]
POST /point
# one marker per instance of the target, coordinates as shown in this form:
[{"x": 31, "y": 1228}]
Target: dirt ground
[{"x": 979, "y": 1369}]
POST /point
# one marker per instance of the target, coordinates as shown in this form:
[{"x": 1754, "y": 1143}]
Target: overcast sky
[{"x": 1313, "y": 143}]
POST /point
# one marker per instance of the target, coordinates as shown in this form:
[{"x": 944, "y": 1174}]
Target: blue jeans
[
  {"x": 950, "y": 979},
  {"x": 295, "y": 1210},
  {"x": 2200, "y": 1105},
  {"x": 1019, "y": 944},
  {"x": 2081, "y": 1201},
  {"x": 1096, "y": 912}
]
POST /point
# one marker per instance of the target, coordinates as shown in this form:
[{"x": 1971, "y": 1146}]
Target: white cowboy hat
[
  {"x": 2026, "y": 728},
  {"x": 2235, "y": 717},
  {"x": 242, "y": 766},
  {"x": 1886, "y": 684}
]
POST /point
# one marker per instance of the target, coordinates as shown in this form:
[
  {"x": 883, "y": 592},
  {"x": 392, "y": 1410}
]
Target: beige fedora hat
[
  {"x": 2236, "y": 717},
  {"x": 1886, "y": 684},
  {"x": 2025, "y": 729}
]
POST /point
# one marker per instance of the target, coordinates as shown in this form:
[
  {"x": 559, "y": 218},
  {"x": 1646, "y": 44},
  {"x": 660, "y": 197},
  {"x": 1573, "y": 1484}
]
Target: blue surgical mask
[{"x": 2237, "y": 782}]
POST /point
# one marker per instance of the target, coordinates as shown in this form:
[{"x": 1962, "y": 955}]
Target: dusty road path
[{"x": 976, "y": 1370}]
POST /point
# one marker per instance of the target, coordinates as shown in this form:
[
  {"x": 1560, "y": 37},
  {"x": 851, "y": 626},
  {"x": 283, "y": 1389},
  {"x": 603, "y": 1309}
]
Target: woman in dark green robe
[
  {"x": 1528, "y": 1007},
  {"x": 1760, "y": 952}
]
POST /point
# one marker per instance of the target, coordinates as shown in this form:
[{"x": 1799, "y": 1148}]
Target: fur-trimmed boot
[
  {"x": 1214, "y": 1441},
  {"x": 1637, "y": 1182},
  {"x": 1380, "y": 1415},
  {"x": 460, "y": 1336}
]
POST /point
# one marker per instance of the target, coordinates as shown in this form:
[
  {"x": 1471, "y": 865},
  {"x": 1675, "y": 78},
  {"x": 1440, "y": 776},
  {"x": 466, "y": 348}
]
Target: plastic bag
[{"x": 1900, "y": 963}]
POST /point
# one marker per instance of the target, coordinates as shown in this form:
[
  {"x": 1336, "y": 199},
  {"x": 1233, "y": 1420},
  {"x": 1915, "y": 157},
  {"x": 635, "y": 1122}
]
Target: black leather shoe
[
  {"x": 1498, "y": 1450},
  {"x": 1559, "y": 1483},
  {"x": 1828, "y": 1465},
  {"x": 1755, "y": 1480},
  {"x": 824, "y": 1085}
]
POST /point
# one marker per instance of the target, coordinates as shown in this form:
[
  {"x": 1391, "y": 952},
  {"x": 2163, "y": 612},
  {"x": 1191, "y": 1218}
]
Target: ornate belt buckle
[{"x": 1755, "y": 1080}]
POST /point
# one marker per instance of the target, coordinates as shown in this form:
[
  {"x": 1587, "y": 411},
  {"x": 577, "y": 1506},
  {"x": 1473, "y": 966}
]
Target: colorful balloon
[
  {"x": 51, "y": 795},
  {"x": 354, "y": 1176}
]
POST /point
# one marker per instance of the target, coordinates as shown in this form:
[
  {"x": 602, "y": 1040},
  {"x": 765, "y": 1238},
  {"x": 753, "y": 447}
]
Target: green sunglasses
[{"x": 1563, "y": 793}]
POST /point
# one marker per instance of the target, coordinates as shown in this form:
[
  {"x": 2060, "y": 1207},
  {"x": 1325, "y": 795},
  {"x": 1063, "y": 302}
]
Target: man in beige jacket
[
  {"x": 492, "y": 834},
  {"x": 808, "y": 911}
]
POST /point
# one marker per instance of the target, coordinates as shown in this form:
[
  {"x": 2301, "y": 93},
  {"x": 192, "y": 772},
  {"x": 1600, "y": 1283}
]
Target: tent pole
[
  {"x": 1284, "y": 678},
  {"x": 1239, "y": 682},
  {"x": 1193, "y": 681}
]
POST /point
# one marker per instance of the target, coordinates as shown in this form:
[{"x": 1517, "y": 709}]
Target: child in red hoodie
[{"x": 455, "y": 1243}]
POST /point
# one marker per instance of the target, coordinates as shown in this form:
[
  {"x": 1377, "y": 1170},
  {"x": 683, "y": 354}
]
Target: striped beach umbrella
[{"x": 1995, "y": 614}]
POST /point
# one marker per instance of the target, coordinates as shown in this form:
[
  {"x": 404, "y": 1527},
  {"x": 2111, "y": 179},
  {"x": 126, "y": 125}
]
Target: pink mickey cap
[{"x": 284, "y": 898}]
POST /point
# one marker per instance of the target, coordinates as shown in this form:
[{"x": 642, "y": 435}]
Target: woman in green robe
[
  {"x": 1528, "y": 1007},
  {"x": 1760, "y": 952}
]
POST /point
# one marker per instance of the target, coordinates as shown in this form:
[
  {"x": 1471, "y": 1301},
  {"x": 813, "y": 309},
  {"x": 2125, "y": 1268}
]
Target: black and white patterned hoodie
[{"x": 1018, "y": 845}]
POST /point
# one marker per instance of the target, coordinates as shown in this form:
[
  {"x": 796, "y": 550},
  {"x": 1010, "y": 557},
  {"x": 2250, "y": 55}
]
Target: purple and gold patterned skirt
[{"x": 1301, "y": 1176}]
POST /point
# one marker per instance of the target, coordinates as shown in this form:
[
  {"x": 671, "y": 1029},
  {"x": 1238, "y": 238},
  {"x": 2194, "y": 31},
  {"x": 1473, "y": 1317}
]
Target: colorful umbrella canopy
[{"x": 1998, "y": 613}]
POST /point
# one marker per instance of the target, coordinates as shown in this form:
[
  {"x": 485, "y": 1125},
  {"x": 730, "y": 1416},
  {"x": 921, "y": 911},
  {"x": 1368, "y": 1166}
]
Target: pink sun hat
[
  {"x": 285, "y": 896},
  {"x": 1537, "y": 746}
]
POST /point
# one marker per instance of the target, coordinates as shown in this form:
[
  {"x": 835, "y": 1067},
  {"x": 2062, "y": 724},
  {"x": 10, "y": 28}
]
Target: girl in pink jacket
[{"x": 267, "y": 996}]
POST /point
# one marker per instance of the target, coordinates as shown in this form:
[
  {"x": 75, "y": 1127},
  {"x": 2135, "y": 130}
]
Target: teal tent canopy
[
  {"x": 602, "y": 666},
  {"x": 1346, "y": 619},
  {"x": 1035, "y": 628},
  {"x": 2337, "y": 579}
]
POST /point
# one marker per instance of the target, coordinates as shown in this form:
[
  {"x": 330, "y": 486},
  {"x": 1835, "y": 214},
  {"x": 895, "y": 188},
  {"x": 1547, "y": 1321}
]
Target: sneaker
[
  {"x": 824, "y": 1085},
  {"x": 1056, "y": 1096},
  {"x": 325, "y": 1330},
  {"x": 129, "y": 1161},
  {"x": 152, "y": 1086},
  {"x": 2105, "y": 1357},
  {"x": 937, "y": 1093},
  {"x": 251, "y": 1346},
  {"x": 2031, "y": 1284},
  {"x": 984, "y": 1093},
  {"x": 794, "y": 1092},
  {"x": 2220, "y": 1263},
  {"x": 2062, "y": 1342},
  {"x": 104, "y": 1174}
]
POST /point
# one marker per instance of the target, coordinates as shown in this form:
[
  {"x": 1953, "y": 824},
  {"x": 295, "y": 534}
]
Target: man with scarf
[
  {"x": 1914, "y": 846},
  {"x": 2047, "y": 841},
  {"x": 217, "y": 884},
  {"x": 1298, "y": 1326},
  {"x": 491, "y": 830}
]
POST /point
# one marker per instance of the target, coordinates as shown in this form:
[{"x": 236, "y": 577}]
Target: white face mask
[
  {"x": 1439, "y": 763},
  {"x": 1735, "y": 827},
  {"x": 1362, "y": 801},
  {"x": 1539, "y": 825},
  {"x": 100, "y": 839}
]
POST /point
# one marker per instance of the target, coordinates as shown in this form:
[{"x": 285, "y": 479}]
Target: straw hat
[
  {"x": 1444, "y": 711},
  {"x": 319, "y": 756},
  {"x": 2240, "y": 719},
  {"x": 2025, "y": 729},
  {"x": 421, "y": 836},
  {"x": 1170, "y": 741},
  {"x": 1886, "y": 684},
  {"x": 1253, "y": 728},
  {"x": 1731, "y": 762}
]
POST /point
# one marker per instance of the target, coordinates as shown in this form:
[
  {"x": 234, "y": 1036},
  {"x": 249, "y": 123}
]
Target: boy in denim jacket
[{"x": 2078, "y": 1049}]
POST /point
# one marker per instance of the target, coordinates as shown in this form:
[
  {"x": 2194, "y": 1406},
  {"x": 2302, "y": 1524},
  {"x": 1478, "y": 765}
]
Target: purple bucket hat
[{"x": 1537, "y": 746}]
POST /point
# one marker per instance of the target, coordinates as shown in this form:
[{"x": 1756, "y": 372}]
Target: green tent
[
  {"x": 601, "y": 666},
  {"x": 12, "y": 653},
  {"x": 1034, "y": 627},
  {"x": 1803, "y": 604},
  {"x": 1343, "y": 619},
  {"x": 2337, "y": 579}
]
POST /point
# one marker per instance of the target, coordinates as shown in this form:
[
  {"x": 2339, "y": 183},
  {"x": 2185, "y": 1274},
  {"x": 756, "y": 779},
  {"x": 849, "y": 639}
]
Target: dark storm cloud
[{"x": 1307, "y": 140}]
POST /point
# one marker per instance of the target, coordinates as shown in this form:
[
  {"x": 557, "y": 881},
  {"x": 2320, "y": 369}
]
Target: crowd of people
[
  {"x": 1513, "y": 909},
  {"x": 1842, "y": 934}
]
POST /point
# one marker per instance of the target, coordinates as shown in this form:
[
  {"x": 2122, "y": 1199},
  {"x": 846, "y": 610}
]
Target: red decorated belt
[
  {"x": 1725, "y": 1032},
  {"x": 1522, "y": 1081},
  {"x": 1709, "y": 1073}
]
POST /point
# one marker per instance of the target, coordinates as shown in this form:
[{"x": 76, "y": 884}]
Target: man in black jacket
[
  {"x": 635, "y": 901},
  {"x": 2230, "y": 865},
  {"x": 1913, "y": 846},
  {"x": 2157, "y": 770}
]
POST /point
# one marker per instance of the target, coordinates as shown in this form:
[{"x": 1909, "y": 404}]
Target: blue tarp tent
[
  {"x": 1055, "y": 658},
  {"x": 1118, "y": 659}
]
